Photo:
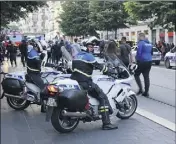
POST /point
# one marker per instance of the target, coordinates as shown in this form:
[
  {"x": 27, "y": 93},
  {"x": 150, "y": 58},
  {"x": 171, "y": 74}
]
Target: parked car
[
  {"x": 156, "y": 58},
  {"x": 170, "y": 58}
]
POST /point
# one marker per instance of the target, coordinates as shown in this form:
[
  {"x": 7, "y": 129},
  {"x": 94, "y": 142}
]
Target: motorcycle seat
[{"x": 29, "y": 79}]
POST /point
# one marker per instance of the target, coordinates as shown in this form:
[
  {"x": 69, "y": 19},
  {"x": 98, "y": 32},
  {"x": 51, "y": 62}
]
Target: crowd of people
[
  {"x": 83, "y": 64},
  {"x": 109, "y": 49},
  {"x": 164, "y": 47}
]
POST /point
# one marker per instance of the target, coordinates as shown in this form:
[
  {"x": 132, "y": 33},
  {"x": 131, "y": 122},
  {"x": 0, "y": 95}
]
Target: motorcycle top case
[
  {"x": 73, "y": 99},
  {"x": 12, "y": 86}
]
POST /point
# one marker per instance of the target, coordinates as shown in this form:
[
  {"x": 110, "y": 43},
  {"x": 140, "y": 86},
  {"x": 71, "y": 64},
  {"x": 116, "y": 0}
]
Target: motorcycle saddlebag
[
  {"x": 73, "y": 99},
  {"x": 12, "y": 86}
]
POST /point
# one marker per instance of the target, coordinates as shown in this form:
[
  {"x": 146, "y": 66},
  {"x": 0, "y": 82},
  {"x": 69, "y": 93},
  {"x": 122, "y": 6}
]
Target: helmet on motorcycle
[{"x": 132, "y": 67}]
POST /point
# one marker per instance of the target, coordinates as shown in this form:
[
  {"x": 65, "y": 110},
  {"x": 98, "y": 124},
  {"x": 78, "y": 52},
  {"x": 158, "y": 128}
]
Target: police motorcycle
[
  {"x": 21, "y": 91},
  {"x": 68, "y": 104}
]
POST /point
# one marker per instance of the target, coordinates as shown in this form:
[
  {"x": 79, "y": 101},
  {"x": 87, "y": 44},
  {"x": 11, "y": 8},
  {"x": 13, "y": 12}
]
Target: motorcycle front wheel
[
  {"x": 127, "y": 112},
  {"x": 63, "y": 124},
  {"x": 17, "y": 104}
]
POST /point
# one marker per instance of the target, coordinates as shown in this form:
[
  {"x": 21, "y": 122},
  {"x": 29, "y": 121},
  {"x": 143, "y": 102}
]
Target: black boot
[
  {"x": 43, "y": 106},
  {"x": 43, "y": 109},
  {"x": 147, "y": 85},
  {"x": 146, "y": 94},
  {"x": 106, "y": 122},
  {"x": 138, "y": 81}
]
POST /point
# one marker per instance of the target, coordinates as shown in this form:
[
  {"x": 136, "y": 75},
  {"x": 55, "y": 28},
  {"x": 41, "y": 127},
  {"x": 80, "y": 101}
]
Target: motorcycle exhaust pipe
[
  {"x": 13, "y": 96},
  {"x": 74, "y": 114}
]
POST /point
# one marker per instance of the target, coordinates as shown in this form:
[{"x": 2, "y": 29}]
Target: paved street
[{"x": 29, "y": 126}]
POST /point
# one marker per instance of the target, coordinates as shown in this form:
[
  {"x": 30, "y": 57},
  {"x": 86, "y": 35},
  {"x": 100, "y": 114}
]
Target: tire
[
  {"x": 11, "y": 103},
  {"x": 57, "y": 125},
  {"x": 157, "y": 63},
  {"x": 167, "y": 64},
  {"x": 119, "y": 114}
]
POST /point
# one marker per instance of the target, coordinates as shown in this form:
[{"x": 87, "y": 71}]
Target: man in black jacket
[
  {"x": 23, "y": 50},
  {"x": 12, "y": 52},
  {"x": 125, "y": 52}
]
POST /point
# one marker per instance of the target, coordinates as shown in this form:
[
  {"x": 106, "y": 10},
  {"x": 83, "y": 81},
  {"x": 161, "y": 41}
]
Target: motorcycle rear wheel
[
  {"x": 57, "y": 121},
  {"x": 133, "y": 107},
  {"x": 17, "y": 104}
]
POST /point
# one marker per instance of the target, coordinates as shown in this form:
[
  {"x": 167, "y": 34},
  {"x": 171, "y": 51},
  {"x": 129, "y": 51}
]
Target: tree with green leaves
[
  {"x": 14, "y": 10},
  {"x": 109, "y": 15},
  {"x": 161, "y": 13},
  {"x": 75, "y": 19}
]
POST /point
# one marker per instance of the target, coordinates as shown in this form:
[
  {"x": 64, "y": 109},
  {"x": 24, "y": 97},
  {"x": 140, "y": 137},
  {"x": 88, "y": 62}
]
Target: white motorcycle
[
  {"x": 68, "y": 104},
  {"x": 21, "y": 91}
]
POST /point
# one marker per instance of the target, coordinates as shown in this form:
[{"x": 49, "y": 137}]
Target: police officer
[
  {"x": 82, "y": 67},
  {"x": 34, "y": 67}
]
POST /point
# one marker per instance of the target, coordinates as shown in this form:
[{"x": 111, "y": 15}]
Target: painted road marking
[
  {"x": 156, "y": 119},
  {"x": 164, "y": 68}
]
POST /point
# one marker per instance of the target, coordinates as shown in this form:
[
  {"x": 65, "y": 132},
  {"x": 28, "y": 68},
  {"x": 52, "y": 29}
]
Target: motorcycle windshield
[
  {"x": 114, "y": 61},
  {"x": 66, "y": 54}
]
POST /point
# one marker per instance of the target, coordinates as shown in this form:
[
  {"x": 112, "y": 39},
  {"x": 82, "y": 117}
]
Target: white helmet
[{"x": 132, "y": 67}]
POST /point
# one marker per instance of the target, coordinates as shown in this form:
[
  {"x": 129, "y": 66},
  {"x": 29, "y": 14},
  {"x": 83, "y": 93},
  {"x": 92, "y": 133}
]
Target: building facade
[
  {"x": 155, "y": 35},
  {"x": 44, "y": 21}
]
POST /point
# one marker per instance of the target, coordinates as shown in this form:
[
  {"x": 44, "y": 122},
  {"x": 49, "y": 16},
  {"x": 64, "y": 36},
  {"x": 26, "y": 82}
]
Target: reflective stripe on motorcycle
[
  {"x": 32, "y": 69},
  {"x": 76, "y": 70}
]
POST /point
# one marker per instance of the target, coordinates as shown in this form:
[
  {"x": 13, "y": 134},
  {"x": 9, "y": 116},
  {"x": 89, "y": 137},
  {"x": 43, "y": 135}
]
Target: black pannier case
[
  {"x": 12, "y": 86},
  {"x": 73, "y": 99}
]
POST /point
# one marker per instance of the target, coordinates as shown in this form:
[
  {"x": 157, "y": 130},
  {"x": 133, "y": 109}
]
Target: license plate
[{"x": 51, "y": 102}]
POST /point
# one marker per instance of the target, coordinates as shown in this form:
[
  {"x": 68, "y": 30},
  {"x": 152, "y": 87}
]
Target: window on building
[
  {"x": 43, "y": 24},
  {"x": 43, "y": 17},
  {"x": 146, "y": 32},
  {"x": 43, "y": 10},
  {"x": 133, "y": 33},
  {"x": 34, "y": 23},
  {"x": 121, "y": 34},
  {"x": 127, "y": 33}
]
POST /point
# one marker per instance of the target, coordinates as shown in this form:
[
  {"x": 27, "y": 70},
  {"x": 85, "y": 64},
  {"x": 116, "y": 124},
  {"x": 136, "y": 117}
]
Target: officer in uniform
[
  {"x": 82, "y": 67},
  {"x": 34, "y": 66}
]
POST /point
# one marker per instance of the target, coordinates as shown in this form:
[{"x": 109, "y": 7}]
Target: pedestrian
[
  {"x": 125, "y": 52},
  {"x": 163, "y": 49},
  {"x": 57, "y": 51},
  {"x": 1, "y": 54},
  {"x": 49, "y": 51},
  {"x": 101, "y": 46},
  {"x": 12, "y": 51},
  {"x": 52, "y": 54},
  {"x": 23, "y": 50},
  {"x": 68, "y": 47},
  {"x": 144, "y": 62},
  {"x": 76, "y": 48}
]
